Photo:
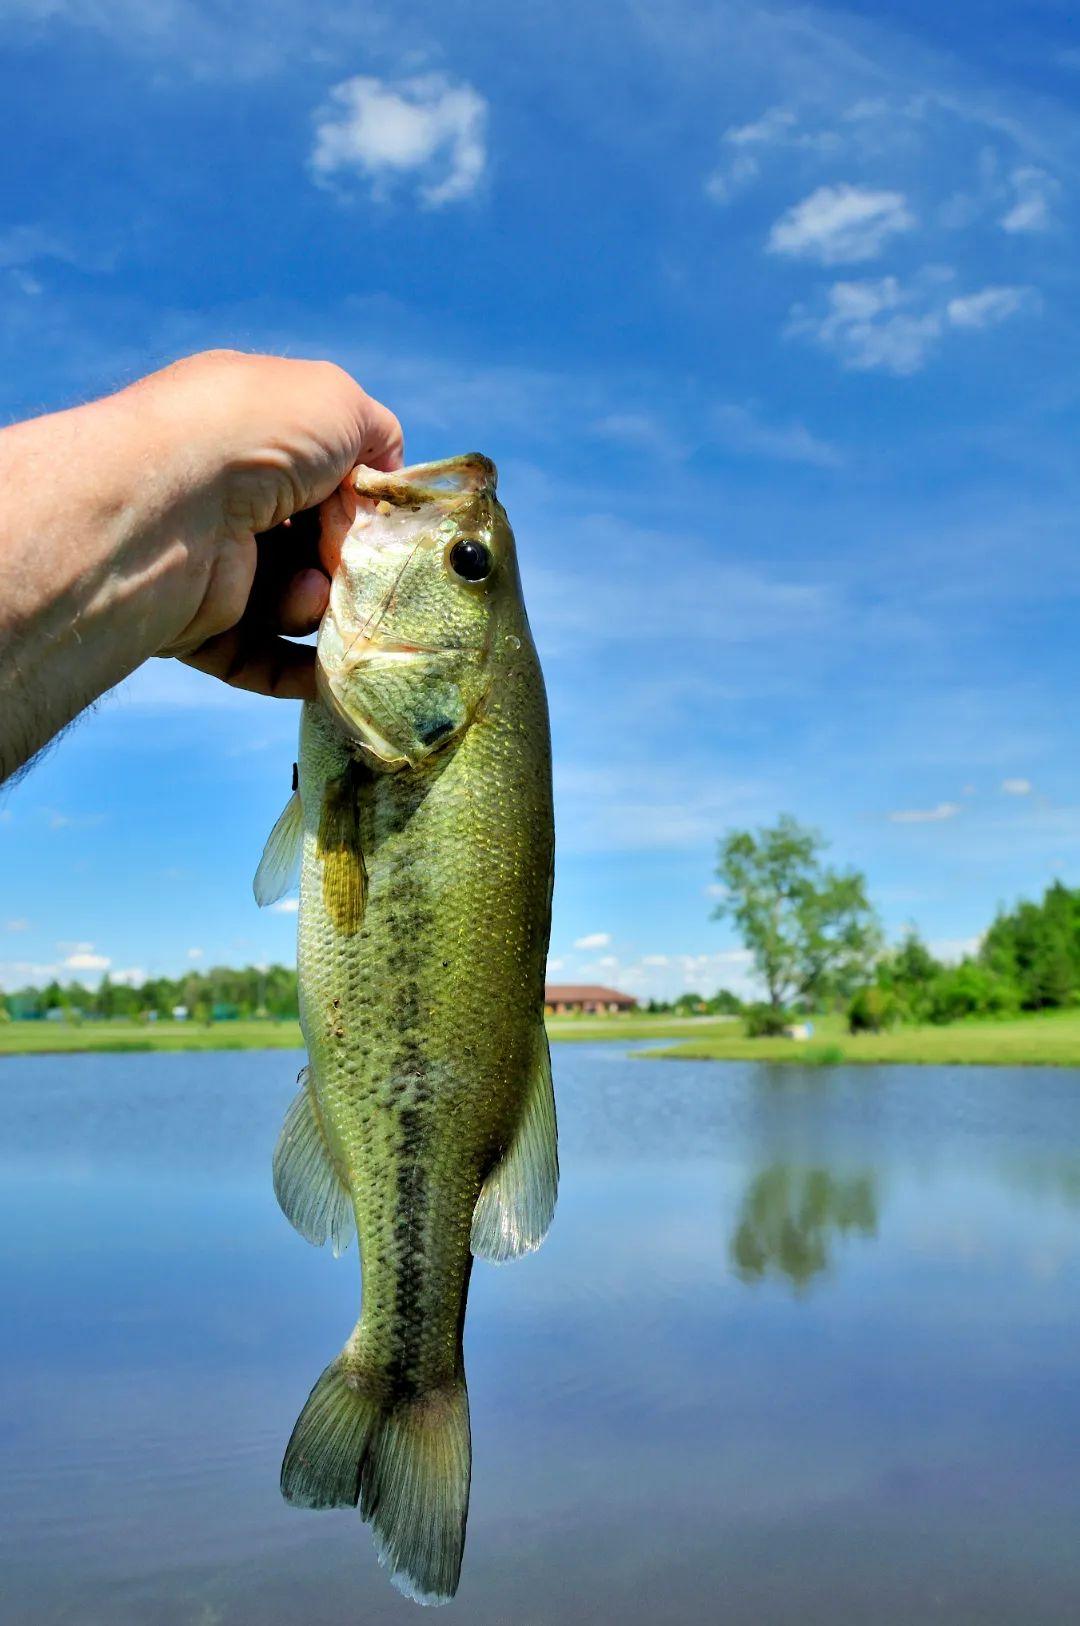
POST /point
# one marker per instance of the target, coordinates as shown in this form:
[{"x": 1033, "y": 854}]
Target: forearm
[{"x": 99, "y": 564}]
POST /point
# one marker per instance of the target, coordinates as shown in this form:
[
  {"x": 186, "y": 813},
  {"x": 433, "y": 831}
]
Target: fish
[{"x": 421, "y": 827}]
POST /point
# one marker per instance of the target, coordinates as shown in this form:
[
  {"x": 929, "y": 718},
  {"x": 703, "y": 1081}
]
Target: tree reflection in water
[{"x": 790, "y": 1216}]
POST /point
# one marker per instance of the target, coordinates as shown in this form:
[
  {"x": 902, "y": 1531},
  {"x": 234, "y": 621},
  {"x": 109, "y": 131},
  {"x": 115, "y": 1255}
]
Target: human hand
[{"x": 260, "y": 439}]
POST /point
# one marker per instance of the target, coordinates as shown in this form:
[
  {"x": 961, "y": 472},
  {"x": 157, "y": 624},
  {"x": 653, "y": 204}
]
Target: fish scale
[{"x": 426, "y": 1121}]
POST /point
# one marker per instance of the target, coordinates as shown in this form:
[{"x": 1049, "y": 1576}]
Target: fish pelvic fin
[
  {"x": 312, "y": 1193},
  {"x": 517, "y": 1202},
  {"x": 279, "y": 866},
  {"x": 408, "y": 1464},
  {"x": 344, "y": 874}
]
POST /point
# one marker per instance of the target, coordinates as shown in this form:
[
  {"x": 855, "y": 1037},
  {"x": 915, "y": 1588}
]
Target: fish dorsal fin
[
  {"x": 344, "y": 876},
  {"x": 307, "y": 1184},
  {"x": 517, "y": 1203},
  {"x": 279, "y": 866}
]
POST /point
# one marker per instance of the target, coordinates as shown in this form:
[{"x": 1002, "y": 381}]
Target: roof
[{"x": 585, "y": 990}]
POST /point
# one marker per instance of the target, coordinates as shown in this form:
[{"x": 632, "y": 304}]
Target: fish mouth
[{"x": 445, "y": 483}]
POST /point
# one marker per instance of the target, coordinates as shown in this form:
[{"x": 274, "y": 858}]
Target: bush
[
  {"x": 872, "y": 1009},
  {"x": 765, "y": 1022},
  {"x": 970, "y": 989}
]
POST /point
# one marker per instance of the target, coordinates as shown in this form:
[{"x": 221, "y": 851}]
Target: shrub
[
  {"x": 970, "y": 989},
  {"x": 872, "y": 1009},
  {"x": 765, "y": 1022}
]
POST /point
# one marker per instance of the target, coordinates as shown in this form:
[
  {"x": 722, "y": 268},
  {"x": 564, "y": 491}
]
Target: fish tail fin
[{"x": 407, "y": 1463}]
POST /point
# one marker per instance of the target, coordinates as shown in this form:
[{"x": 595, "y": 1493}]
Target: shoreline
[{"x": 1047, "y": 1039}]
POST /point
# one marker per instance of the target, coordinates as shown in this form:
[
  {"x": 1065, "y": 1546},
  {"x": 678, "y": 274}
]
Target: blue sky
[{"x": 767, "y": 314}]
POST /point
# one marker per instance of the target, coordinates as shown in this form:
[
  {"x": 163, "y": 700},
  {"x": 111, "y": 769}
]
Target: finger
[
  {"x": 383, "y": 442},
  {"x": 301, "y": 604},
  {"x": 260, "y": 662}
]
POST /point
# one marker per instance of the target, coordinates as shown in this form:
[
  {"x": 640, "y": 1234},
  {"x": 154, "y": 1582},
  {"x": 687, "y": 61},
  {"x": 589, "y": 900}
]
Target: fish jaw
[{"x": 442, "y": 484}]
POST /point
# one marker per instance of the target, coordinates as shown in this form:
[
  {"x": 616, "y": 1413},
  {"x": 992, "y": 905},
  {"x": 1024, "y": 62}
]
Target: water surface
[{"x": 803, "y": 1346}]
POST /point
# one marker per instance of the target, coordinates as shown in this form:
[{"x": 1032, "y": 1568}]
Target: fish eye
[{"x": 470, "y": 560}]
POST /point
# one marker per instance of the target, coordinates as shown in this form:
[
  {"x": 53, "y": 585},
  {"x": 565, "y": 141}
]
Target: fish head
[{"x": 424, "y": 583}]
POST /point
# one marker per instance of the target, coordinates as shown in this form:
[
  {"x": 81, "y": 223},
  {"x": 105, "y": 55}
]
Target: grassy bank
[
  {"x": 45, "y": 1038},
  {"x": 1049, "y": 1040}
]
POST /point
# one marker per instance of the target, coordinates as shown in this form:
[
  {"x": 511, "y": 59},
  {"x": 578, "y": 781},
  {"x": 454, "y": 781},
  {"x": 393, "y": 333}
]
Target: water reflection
[
  {"x": 886, "y": 1428},
  {"x": 789, "y": 1216}
]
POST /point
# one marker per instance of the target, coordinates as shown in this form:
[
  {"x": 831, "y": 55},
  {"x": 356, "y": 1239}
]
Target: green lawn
[
  {"x": 1046, "y": 1040},
  {"x": 39, "y": 1038},
  {"x": 36, "y": 1038},
  {"x": 1051, "y": 1040}
]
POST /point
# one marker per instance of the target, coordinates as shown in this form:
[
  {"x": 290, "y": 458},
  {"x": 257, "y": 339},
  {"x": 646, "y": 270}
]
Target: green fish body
[{"x": 426, "y": 1120}]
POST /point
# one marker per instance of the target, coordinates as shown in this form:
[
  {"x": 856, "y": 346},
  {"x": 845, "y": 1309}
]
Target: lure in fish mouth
[{"x": 421, "y": 560}]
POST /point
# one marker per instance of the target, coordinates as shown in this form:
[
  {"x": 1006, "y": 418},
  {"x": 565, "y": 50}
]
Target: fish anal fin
[
  {"x": 312, "y": 1193},
  {"x": 344, "y": 876},
  {"x": 279, "y": 866},
  {"x": 516, "y": 1205}
]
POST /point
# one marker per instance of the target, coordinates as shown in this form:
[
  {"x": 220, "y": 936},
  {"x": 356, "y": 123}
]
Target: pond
[{"x": 803, "y": 1346}]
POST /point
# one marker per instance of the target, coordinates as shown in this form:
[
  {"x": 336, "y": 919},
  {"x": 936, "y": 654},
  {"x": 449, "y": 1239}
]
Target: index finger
[
  {"x": 383, "y": 444},
  {"x": 261, "y": 662}
]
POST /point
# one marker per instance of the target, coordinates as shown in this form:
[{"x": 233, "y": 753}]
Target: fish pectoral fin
[
  {"x": 313, "y": 1196},
  {"x": 344, "y": 876},
  {"x": 516, "y": 1205},
  {"x": 279, "y": 866}
]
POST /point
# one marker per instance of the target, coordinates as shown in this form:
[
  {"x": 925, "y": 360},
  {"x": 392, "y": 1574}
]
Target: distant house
[{"x": 563, "y": 997}]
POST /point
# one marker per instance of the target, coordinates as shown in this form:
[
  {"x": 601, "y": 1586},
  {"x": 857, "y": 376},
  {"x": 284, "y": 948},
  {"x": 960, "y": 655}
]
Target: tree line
[
  {"x": 221, "y": 993},
  {"x": 817, "y": 943},
  {"x": 811, "y": 930}
]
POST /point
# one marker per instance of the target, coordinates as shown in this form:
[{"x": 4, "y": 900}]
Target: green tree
[
  {"x": 724, "y": 1003},
  {"x": 810, "y": 929}
]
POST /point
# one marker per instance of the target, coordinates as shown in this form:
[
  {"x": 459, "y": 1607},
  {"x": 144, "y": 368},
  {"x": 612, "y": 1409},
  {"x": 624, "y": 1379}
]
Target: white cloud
[
  {"x": 593, "y": 940},
  {"x": 989, "y": 306},
  {"x": 1016, "y": 787},
  {"x": 13, "y": 973},
  {"x": 763, "y": 131},
  {"x": 663, "y": 976},
  {"x": 841, "y": 224},
  {"x": 1033, "y": 193},
  {"x": 869, "y": 328},
  {"x": 285, "y": 906},
  {"x": 731, "y": 177},
  {"x": 926, "y": 815},
  {"x": 28, "y": 244},
  {"x": 85, "y": 960},
  {"x": 881, "y": 324},
  {"x": 556, "y": 965},
  {"x": 428, "y": 128},
  {"x": 954, "y": 949},
  {"x": 742, "y": 164},
  {"x": 132, "y": 976},
  {"x": 748, "y": 147},
  {"x": 194, "y": 953},
  {"x": 741, "y": 429},
  {"x": 16, "y": 925}
]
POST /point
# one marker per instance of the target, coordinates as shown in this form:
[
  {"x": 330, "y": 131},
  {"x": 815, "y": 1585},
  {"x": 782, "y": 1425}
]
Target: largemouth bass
[{"x": 422, "y": 823}]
